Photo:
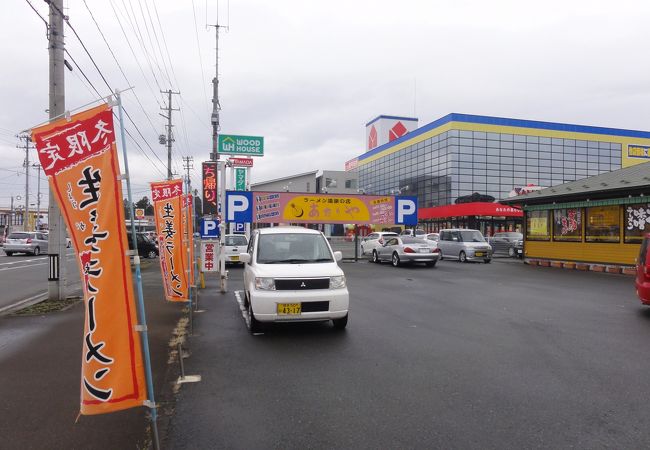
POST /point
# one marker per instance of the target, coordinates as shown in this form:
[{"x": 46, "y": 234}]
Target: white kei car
[
  {"x": 291, "y": 274},
  {"x": 374, "y": 240}
]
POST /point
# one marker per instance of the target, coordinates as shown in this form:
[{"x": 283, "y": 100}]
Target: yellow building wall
[{"x": 592, "y": 252}]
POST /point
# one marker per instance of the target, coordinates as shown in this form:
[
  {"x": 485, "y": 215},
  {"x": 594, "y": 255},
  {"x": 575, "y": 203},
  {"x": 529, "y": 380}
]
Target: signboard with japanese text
[
  {"x": 209, "y": 251},
  {"x": 241, "y": 162},
  {"x": 230, "y": 144},
  {"x": 167, "y": 197},
  {"x": 240, "y": 179},
  {"x": 286, "y": 207},
  {"x": 209, "y": 170},
  {"x": 79, "y": 157}
]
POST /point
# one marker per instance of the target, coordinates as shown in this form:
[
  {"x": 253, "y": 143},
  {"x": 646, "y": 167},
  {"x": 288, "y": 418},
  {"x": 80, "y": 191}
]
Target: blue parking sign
[
  {"x": 406, "y": 210},
  {"x": 209, "y": 228}
]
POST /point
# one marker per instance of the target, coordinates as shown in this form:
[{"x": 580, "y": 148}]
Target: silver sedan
[{"x": 405, "y": 249}]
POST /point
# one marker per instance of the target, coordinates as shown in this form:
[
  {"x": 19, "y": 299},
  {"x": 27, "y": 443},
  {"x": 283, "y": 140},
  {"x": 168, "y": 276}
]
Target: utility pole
[
  {"x": 170, "y": 136},
  {"x": 56, "y": 238},
  {"x": 38, "y": 194},
  {"x": 27, "y": 147},
  {"x": 188, "y": 163},
  {"x": 216, "y": 106},
  {"x": 214, "y": 156}
]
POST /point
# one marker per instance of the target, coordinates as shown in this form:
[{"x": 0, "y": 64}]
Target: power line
[{"x": 198, "y": 46}]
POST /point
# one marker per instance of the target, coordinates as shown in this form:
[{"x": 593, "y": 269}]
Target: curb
[{"x": 583, "y": 267}]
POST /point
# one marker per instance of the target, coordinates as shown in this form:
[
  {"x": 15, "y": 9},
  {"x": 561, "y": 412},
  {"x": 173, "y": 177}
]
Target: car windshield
[
  {"x": 471, "y": 236},
  {"x": 433, "y": 237},
  {"x": 419, "y": 232},
  {"x": 236, "y": 240},
  {"x": 387, "y": 235},
  {"x": 19, "y": 236},
  {"x": 293, "y": 248},
  {"x": 412, "y": 240}
]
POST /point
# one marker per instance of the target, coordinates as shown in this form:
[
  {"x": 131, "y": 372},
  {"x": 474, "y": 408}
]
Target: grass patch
[{"x": 48, "y": 306}]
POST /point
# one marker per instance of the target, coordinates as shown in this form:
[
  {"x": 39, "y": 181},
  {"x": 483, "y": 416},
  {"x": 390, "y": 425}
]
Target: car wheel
[
  {"x": 462, "y": 257},
  {"x": 68, "y": 244},
  {"x": 152, "y": 254},
  {"x": 395, "y": 260},
  {"x": 9, "y": 253},
  {"x": 431, "y": 263},
  {"x": 246, "y": 303},
  {"x": 37, "y": 251},
  {"x": 375, "y": 257},
  {"x": 341, "y": 323},
  {"x": 255, "y": 326},
  {"x": 488, "y": 261},
  {"x": 511, "y": 252}
]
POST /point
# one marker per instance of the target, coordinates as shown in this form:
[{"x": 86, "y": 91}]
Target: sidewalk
[{"x": 40, "y": 362}]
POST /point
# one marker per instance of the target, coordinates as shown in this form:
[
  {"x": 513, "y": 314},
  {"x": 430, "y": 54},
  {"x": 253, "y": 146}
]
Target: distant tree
[{"x": 145, "y": 204}]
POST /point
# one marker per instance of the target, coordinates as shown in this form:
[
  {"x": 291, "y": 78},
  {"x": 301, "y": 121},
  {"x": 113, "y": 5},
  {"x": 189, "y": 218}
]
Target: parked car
[
  {"x": 505, "y": 243},
  {"x": 31, "y": 242},
  {"x": 146, "y": 246},
  {"x": 291, "y": 274},
  {"x": 406, "y": 249},
  {"x": 464, "y": 245},
  {"x": 413, "y": 232},
  {"x": 433, "y": 238},
  {"x": 234, "y": 244},
  {"x": 642, "y": 281},
  {"x": 68, "y": 241},
  {"x": 374, "y": 240}
]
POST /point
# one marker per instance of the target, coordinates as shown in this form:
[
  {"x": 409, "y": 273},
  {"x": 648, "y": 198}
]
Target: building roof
[
  {"x": 507, "y": 122},
  {"x": 412, "y": 119},
  {"x": 313, "y": 172},
  {"x": 618, "y": 182}
]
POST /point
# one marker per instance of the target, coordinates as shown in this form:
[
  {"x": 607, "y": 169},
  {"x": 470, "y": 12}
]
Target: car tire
[
  {"x": 431, "y": 263},
  {"x": 9, "y": 253},
  {"x": 254, "y": 325},
  {"x": 375, "y": 257},
  {"x": 68, "y": 244},
  {"x": 511, "y": 252},
  {"x": 340, "y": 324},
  {"x": 462, "y": 257},
  {"x": 246, "y": 303},
  {"x": 37, "y": 251},
  {"x": 395, "y": 260},
  {"x": 152, "y": 254},
  {"x": 488, "y": 261}
]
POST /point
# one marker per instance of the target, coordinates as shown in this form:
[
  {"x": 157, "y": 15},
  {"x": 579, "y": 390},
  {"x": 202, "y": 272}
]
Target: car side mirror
[
  {"x": 245, "y": 258},
  {"x": 338, "y": 256}
]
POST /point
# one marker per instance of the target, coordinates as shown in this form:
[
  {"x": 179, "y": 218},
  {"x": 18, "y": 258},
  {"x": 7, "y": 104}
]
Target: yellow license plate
[
  {"x": 234, "y": 258},
  {"x": 288, "y": 308},
  {"x": 479, "y": 254}
]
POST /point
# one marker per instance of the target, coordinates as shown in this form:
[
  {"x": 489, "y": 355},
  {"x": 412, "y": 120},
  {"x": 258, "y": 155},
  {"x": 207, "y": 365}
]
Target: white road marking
[{"x": 22, "y": 267}]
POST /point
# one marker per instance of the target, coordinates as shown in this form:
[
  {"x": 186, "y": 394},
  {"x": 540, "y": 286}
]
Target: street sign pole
[{"x": 223, "y": 225}]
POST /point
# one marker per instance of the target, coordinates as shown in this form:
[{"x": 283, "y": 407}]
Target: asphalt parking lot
[{"x": 498, "y": 355}]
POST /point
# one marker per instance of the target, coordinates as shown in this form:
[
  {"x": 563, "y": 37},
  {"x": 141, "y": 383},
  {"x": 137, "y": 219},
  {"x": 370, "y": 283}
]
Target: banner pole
[
  {"x": 138, "y": 276},
  {"x": 188, "y": 271}
]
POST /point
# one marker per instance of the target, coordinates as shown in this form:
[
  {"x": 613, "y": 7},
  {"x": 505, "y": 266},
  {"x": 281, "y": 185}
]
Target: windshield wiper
[{"x": 287, "y": 261}]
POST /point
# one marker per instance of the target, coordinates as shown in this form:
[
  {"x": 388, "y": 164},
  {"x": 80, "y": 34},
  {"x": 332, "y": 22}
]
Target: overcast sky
[{"x": 308, "y": 75}]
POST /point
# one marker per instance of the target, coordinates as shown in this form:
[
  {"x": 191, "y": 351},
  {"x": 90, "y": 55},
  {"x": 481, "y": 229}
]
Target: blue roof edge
[{"x": 503, "y": 121}]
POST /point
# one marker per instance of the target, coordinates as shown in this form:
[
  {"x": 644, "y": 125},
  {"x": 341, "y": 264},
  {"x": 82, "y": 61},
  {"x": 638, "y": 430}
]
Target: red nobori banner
[
  {"x": 168, "y": 212},
  {"x": 80, "y": 158},
  {"x": 210, "y": 206}
]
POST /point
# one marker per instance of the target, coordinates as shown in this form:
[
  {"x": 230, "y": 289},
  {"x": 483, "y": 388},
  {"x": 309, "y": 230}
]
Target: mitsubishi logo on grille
[{"x": 303, "y": 284}]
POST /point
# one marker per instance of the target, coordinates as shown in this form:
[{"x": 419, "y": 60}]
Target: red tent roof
[{"x": 470, "y": 209}]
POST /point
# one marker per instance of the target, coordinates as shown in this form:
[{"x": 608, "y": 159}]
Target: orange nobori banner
[
  {"x": 168, "y": 208},
  {"x": 188, "y": 227},
  {"x": 79, "y": 157}
]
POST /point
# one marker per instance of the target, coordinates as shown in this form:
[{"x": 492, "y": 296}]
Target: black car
[
  {"x": 146, "y": 246},
  {"x": 505, "y": 243}
]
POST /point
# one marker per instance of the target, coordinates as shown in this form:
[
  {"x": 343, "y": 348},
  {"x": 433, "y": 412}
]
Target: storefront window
[
  {"x": 537, "y": 228},
  {"x": 567, "y": 224},
  {"x": 603, "y": 224},
  {"x": 637, "y": 222}
]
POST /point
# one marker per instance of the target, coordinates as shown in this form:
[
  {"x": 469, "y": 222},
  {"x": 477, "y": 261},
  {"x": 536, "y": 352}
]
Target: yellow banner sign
[{"x": 79, "y": 157}]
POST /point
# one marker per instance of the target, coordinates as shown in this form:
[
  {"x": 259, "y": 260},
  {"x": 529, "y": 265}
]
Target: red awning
[{"x": 470, "y": 209}]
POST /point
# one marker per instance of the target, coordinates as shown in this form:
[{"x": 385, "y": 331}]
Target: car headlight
[
  {"x": 264, "y": 284},
  {"x": 337, "y": 282}
]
